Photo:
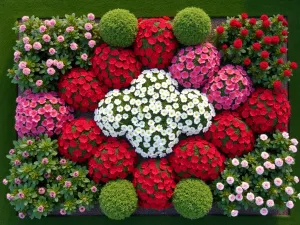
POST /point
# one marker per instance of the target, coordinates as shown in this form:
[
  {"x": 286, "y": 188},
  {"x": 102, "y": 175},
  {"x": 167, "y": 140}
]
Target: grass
[{"x": 11, "y": 10}]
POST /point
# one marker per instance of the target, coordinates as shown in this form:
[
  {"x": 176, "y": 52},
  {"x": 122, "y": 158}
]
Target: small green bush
[
  {"x": 118, "y": 199},
  {"x": 192, "y": 198},
  {"x": 191, "y": 26},
  {"x": 118, "y": 28}
]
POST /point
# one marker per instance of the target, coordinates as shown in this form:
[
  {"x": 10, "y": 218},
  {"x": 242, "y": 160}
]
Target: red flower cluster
[
  {"x": 195, "y": 157},
  {"x": 230, "y": 134},
  {"x": 81, "y": 89},
  {"x": 79, "y": 139},
  {"x": 113, "y": 159},
  {"x": 155, "y": 44},
  {"x": 154, "y": 183},
  {"x": 266, "y": 110},
  {"x": 115, "y": 67}
]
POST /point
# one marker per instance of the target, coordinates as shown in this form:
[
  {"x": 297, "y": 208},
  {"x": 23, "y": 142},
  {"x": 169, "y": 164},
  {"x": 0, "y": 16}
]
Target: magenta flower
[{"x": 196, "y": 65}]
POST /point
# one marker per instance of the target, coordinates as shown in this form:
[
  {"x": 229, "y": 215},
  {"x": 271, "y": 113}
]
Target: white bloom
[
  {"x": 259, "y": 201},
  {"x": 290, "y": 204},
  {"x": 278, "y": 162},
  {"x": 234, "y": 213},
  {"x": 235, "y": 162},
  {"x": 264, "y": 155},
  {"x": 294, "y": 141},
  {"x": 259, "y": 170},
  {"x": 244, "y": 163},
  {"x": 250, "y": 196},
  {"x": 266, "y": 185},
  {"x": 264, "y": 211},
  {"x": 230, "y": 180},
  {"x": 285, "y": 135},
  {"x": 298, "y": 195},
  {"x": 263, "y": 137},
  {"x": 289, "y": 190},
  {"x": 270, "y": 203},
  {"x": 231, "y": 197},
  {"x": 296, "y": 179}
]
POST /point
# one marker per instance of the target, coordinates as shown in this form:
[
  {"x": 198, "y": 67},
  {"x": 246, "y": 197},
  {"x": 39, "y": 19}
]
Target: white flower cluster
[{"x": 152, "y": 113}]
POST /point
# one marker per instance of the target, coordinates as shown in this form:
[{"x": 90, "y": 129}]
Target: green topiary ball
[
  {"x": 118, "y": 199},
  {"x": 118, "y": 28},
  {"x": 191, "y": 26},
  {"x": 192, "y": 198}
]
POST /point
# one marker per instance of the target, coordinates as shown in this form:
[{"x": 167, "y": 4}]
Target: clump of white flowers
[
  {"x": 152, "y": 113},
  {"x": 262, "y": 179}
]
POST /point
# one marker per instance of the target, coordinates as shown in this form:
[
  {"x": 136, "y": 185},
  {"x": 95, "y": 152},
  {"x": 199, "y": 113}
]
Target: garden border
[{"x": 11, "y": 10}]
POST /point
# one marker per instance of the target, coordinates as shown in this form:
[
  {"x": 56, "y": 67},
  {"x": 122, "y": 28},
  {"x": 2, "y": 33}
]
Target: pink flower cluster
[
  {"x": 194, "y": 65},
  {"x": 228, "y": 88},
  {"x": 41, "y": 113}
]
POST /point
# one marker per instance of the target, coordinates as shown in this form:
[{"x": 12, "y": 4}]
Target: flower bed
[{"x": 147, "y": 107}]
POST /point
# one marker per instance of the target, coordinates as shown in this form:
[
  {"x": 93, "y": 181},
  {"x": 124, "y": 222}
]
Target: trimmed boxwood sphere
[
  {"x": 118, "y": 199},
  {"x": 192, "y": 198},
  {"x": 118, "y": 28},
  {"x": 191, "y": 26}
]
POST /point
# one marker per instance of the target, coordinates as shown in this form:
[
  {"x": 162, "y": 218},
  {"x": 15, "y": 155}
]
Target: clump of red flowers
[
  {"x": 195, "y": 157},
  {"x": 114, "y": 159},
  {"x": 230, "y": 134},
  {"x": 266, "y": 110},
  {"x": 155, "y": 44},
  {"x": 80, "y": 139},
  {"x": 81, "y": 89},
  {"x": 115, "y": 67},
  {"x": 154, "y": 181}
]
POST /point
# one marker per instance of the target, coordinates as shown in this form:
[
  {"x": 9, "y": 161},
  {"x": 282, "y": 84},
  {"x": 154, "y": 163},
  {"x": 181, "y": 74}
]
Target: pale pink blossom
[
  {"x": 5, "y": 181},
  {"x": 263, "y": 137},
  {"x": 40, "y": 209},
  {"x": 27, "y": 47},
  {"x": 84, "y": 56},
  {"x": 235, "y": 162},
  {"x": 268, "y": 165},
  {"x": 220, "y": 186},
  {"x": 81, "y": 209},
  {"x": 51, "y": 71},
  {"x": 63, "y": 161},
  {"x": 230, "y": 180},
  {"x": 9, "y": 197},
  {"x": 69, "y": 29},
  {"x": 46, "y": 38},
  {"x": 52, "y": 22},
  {"x": 25, "y": 18},
  {"x": 60, "y": 65},
  {"x": 94, "y": 189},
  {"x": 294, "y": 141},
  {"x": 92, "y": 43},
  {"x": 21, "y": 215},
  {"x": 244, "y": 163},
  {"x": 293, "y": 148},
  {"x": 39, "y": 83},
  {"x": 91, "y": 16},
  {"x": 278, "y": 162},
  {"x": 231, "y": 197},
  {"x": 22, "y": 65},
  {"x": 37, "y": 45},
  {"x": 42, "y": 28},
  {"x": 88, "y": 26},
  {"x": 49, "y": 62},
  {"x": 52, "y": 51},
  {"x": 42, "y": 191},
  {"x": 73, "y": 46},
  {"x": 285, "y": 135},
  {"x": 278, "y": 182},
  {"x": 296, "y": 179},
  {"x": 62, "y": 212},
  {"x": 88, "y": 35},
  {"x": 59, "y": 177},
  {"x": 266, "y": 185},
  {"x": 45, "y": 161},
  {"x": 22, "y": 28},
  {"x": 259, "y": 170},
  {"x": 11, "y": 151},
  {"x": 270, "y": 203},
  {"x": 26, "y": 71},
  {"x": 21, "y": 195},
  {"x": 290, "y": 204},
  {"x": 60, "y": 38},
  {"x": 68, "y": 184},
  {"x": 52, "y": 194},
  {"x": 17, "y": 181},
  {"x": 264, "y": 155},
  {"x": 17, "y": 162},
  {"x": 264, "y": 211},
  {"x": 289, "y": 160},
  {"x": 26, "y": 40},
  {"x": 289, "y": 190},
  {"x": 245, "y": 185},
  {"x": 259, "y": 201},
  {"x": 75, "y": 173},
  {"x": 234, "y": 213},
  {"x": 239, "y": 190},
  {"x": 239, "y": 197}
]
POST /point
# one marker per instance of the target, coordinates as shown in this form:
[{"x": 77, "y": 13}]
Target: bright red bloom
[
  {"x": 267, "y": 40},
  {"x": 280, "y": 61},
  {"x": 230, "y": 134},
  {"x": 195, "y": 157},
  {"x": 277, "y": 84},
  {"x": 283, "y": 50},
  {"x": 238, "y": 43},
  {"x": 244, "y": 16},
  {"x": 264, "y": 17},
  {"x": 266, "y": 110},
  {"x": 115, "y": 67},
  {"x": 81, "y": 89},
  {"x": 287, "y": 73},
  {"x": 293, "y": 65},
  {"x": 247, "y": 61},
  {"x": 113, "y": 159},
  {"x": 275, "y": 39},
  {"x": 252, "y": 21},
  {"x": 266, "y": 23},
  {"x": 154, "y": 181},
  {"x": 285, "y": 23},
  {"x": 256, "y": 46},
  {"x": 244, "y": 32},
  {"x": 233, "y": 22},
  {"x": 259, "y": 33},
  {"x": 264, "y": 54},
  {"x": 224, "y": 46},
  {"x": 284, "y": 32},
  {"x": 155, "y": 44},
  {"x": 79, "y": 139},
  {"x": 280, "y": 18},
  {"x": 264, "y": 65},
  {"x": 220, "y": 29}
]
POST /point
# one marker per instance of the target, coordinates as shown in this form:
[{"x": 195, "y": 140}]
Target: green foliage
[
  {"x": 118, "y": 28},
  {"x": 118, "y": 199},
  {"x": 192, "y": 198},
  {"x": 191, "y": 26},
  {"x": 35, "y": 166}
]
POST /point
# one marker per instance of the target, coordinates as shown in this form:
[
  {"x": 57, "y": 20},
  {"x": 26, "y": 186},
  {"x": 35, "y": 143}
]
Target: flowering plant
[
  {"x": 228, "y": 88},
  {"x": 154, "y": 183},
  {"x": 155, "y": 44},
  {"x": 38, "y": 113},
  {"x": 230, "y": 134},
  {"x": 152, "y": 113},
  {"x": 266, "y": 110},
  {"x": 39, "y": 182},
  {"x": 195, "y": 157},
  {"x": 81, "y": 89},
  {"x": 48, "y": 48},
  {"x": 115, "y": 67},
  {"x": 260, "y": 180},
  {"x": 80, "y": 139},
  {"x": 114, "y": 159},
  {"x": 192, "y": 66},
  {"x": 259, "y": 45}
]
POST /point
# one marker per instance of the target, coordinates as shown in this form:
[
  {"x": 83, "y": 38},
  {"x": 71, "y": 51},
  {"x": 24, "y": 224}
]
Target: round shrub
[
  {"x": 154, "y": 183},
  {"x": 194, "y": 65},
  {"x": 230, "y": 134},
  {"x": 228, "y": 88},
  {"x": 191, "y": 26},
  {"x": 81, "y": 89},
  {"x": 79, "y": 139},
  {"x": 113, "y": 159},
  {"x": 41, "y": 113},
  {"x": 118, "y": 28},
  {"x": 266, "y": 110},
  {"x": 118, "y": 199},
  {"x": 115, "y": 67},
  {"x": 192, "y": 198},
  {"x": 155, "y": 44},
  {"x": 195, "y": 157}
]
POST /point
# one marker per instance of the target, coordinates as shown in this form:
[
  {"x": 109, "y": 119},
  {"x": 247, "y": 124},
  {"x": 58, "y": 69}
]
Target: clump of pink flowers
[
  {"x": 41, "y": 113},
  {"x": 194, "y": 65},
  {"x": 228, "y": 88}
]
